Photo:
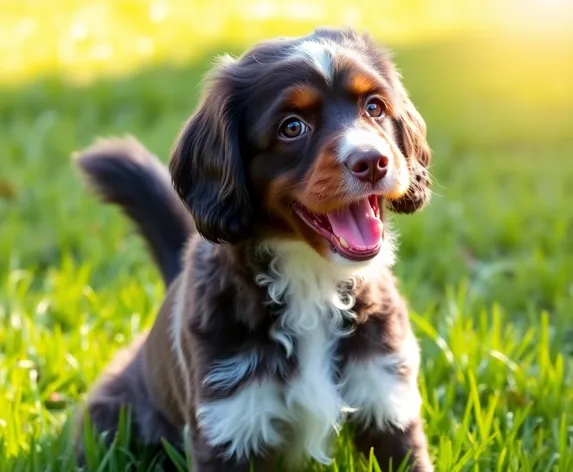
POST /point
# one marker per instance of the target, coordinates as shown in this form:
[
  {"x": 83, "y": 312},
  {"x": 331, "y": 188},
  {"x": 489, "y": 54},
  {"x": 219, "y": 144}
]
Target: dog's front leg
[
  {"x": 239, "y": 430},
  {"x": 210, "y": 461},
  {"x": 208, "y": 458},
  {"x": 381, "y": 386},
  {"x": 392, "y": 446}
]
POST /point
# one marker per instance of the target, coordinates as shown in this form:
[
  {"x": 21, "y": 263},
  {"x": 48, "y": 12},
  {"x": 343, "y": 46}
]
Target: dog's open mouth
[{"x": 354, "y": 231}]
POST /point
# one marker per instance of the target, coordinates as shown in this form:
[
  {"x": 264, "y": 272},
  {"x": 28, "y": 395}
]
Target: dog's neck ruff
[
  {"x": 316, "y": 298},
  {"x": 313, "y": 290}
]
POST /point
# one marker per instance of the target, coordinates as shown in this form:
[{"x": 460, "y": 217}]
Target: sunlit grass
[{"x": 487, "y": 268}]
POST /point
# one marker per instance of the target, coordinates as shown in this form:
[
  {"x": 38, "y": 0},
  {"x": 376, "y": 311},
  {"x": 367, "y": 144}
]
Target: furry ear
[
  {"x": 411, "y": 136},
  {"x": 207, "y": 168}
]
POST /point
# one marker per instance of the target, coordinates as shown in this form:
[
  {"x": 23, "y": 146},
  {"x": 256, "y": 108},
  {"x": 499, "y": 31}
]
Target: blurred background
[{"x": 487, "y": 268}]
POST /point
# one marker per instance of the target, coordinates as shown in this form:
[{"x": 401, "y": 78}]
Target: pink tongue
[{"x": 357, "y": 225}]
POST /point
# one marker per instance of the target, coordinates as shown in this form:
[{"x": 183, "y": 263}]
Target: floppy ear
[
  {"x": 207, "y": 168},
  {"x": 411, "y": 136}
]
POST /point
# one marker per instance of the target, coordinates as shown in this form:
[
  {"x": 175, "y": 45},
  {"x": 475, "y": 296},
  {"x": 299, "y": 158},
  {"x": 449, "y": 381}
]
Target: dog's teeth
[{"x": 343, "y": 243}]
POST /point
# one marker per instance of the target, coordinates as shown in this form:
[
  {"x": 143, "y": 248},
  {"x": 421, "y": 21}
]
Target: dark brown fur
[{"x": 238, "y": 183}]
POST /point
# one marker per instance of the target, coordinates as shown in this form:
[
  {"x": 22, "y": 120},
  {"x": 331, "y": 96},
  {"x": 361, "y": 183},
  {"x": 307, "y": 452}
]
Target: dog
[{"x": 282, "y": 319}]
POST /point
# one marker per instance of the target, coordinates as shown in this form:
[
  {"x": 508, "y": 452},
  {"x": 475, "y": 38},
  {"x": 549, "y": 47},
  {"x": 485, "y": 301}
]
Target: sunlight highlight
[{"x": 84, "y": 38}]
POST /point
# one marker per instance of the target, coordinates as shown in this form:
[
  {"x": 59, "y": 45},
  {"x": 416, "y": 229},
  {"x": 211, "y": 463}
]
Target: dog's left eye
[
  {"x": 375, "y": 107},
  {"x": 292, "y": 127}
]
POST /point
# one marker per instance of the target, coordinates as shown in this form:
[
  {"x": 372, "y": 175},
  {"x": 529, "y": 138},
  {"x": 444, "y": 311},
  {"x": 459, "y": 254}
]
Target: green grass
[{"x": 487, "y": 268}]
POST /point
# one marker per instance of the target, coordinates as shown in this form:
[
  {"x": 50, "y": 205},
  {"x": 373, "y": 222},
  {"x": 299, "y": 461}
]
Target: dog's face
[{"x": 309, "y": 139}]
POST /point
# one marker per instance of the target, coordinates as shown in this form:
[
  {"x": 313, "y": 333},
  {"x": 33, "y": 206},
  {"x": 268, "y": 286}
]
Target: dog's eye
[
  {"x": 375, "y": 107},
  {"x": 292, "y": 127}
]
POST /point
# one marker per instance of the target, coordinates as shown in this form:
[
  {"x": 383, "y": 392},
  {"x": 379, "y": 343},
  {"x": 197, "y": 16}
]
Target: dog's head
[{"x": 308, "y": 138}]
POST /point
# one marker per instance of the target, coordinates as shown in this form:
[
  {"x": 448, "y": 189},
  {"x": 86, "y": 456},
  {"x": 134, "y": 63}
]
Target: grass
[{"x": 487, "y": 268}]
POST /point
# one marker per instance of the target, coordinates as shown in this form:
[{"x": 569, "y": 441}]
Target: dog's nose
[{"x": 368, "y": 166}]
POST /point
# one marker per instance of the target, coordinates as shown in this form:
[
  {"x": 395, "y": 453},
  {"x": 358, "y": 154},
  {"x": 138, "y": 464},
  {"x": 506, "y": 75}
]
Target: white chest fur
[
  {"x": 312, "y": 405},
  {"x": 309, "y": 328}
]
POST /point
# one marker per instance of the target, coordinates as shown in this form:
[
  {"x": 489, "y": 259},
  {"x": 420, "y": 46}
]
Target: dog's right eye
[
  {"x": 375, "y": 107},
  {"x": 292, "y": 127}
]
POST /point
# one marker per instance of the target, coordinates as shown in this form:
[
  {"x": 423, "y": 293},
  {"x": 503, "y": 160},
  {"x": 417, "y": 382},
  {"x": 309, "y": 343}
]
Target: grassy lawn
[{"x": 487, "y": 268}]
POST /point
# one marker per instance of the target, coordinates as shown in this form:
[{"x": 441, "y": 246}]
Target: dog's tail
[{"x": 124, "y": 173}]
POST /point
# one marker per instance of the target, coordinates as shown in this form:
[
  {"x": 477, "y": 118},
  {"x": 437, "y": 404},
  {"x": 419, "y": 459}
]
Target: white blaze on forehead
[
  {"x": 360, "y": 139},
  {"x": 320, "y": 54}
]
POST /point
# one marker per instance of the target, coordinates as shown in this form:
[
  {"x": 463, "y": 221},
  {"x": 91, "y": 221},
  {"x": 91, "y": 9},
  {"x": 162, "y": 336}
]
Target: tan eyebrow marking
[
  {"x": 362, "y": 80},
  {"x": 361, "y": 84},
  {"x": 360, "y": 77},
  {"x": 303, "y": 97}
]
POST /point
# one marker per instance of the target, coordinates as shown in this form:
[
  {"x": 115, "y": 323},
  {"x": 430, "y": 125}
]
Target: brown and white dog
[{"x": 282, "y": 317}]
